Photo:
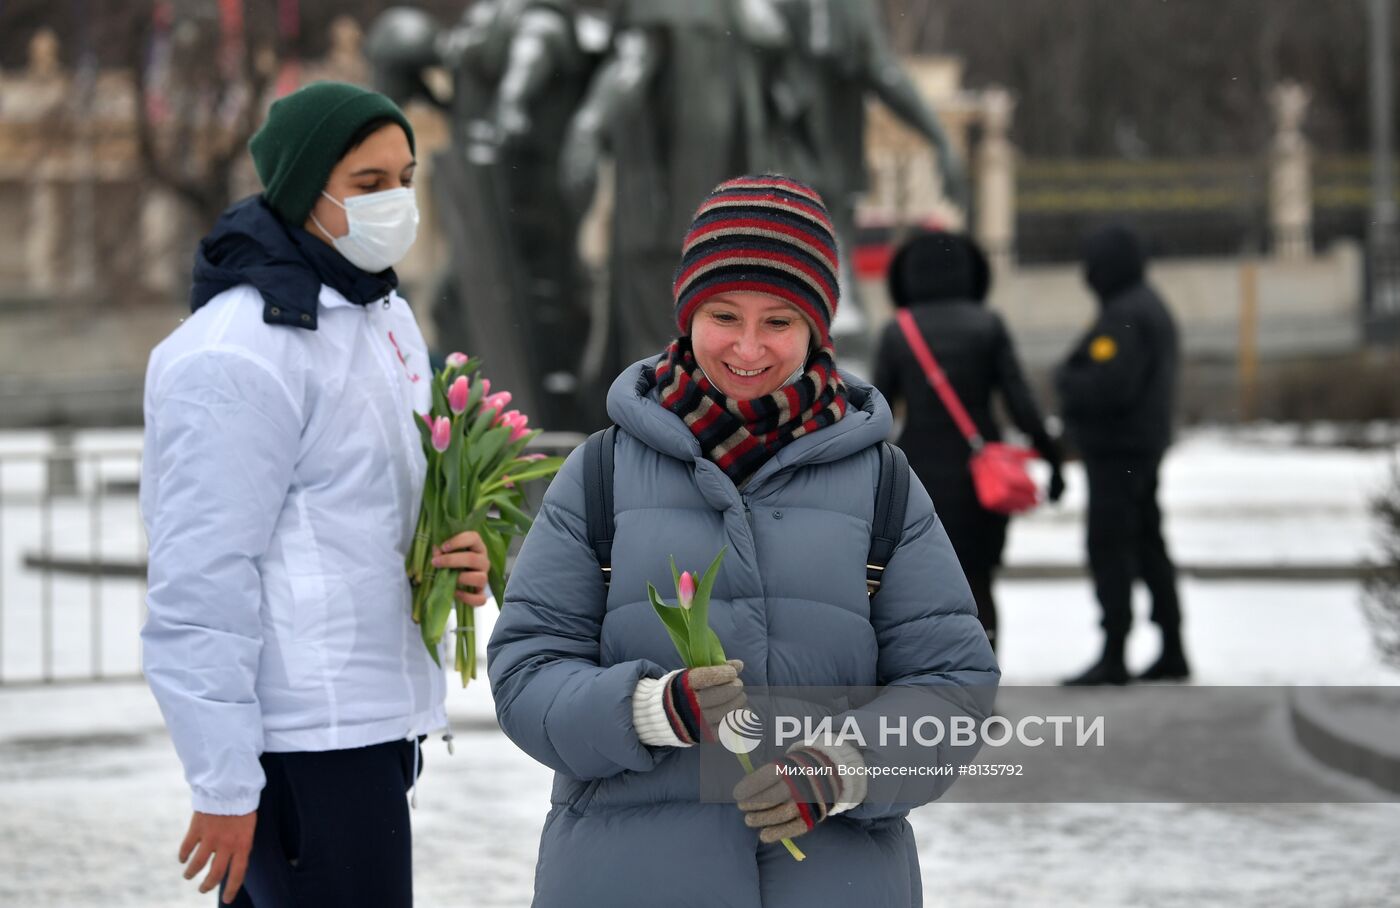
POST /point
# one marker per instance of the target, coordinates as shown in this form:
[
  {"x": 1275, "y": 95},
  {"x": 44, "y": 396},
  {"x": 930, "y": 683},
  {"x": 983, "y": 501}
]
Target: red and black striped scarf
[{"x": 741, "y": 435}]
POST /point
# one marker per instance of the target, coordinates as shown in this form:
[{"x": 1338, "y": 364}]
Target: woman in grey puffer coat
[{"x": 742, "y": 434}]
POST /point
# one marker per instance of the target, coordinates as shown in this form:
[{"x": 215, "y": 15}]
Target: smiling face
[
  {"x": 382, "y": 161},
  {"x": 749, "y": 344}
]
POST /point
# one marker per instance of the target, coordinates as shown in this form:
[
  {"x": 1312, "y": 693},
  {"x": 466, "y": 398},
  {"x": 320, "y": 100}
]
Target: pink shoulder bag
[{"x": 998, "y": 470}]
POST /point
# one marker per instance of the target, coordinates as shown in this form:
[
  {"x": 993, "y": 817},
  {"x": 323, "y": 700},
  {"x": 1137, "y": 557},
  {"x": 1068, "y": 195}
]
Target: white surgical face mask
[{"x": 383, "y": 225}]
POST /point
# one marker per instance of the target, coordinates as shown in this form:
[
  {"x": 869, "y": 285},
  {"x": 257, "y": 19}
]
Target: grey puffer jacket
[{"x": 626, "y": 826}]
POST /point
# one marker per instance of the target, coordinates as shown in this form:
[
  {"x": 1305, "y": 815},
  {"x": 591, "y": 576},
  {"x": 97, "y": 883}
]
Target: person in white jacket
[{"x": 280, "y": 489}]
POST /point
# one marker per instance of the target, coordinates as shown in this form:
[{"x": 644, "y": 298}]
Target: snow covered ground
[
  {"x": 1255, "y": 498},
  {"x": 94, "y": 806}
]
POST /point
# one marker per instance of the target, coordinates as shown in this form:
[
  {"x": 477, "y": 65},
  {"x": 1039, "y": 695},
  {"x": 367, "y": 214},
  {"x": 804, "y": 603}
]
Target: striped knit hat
[{"x": 764, "y": 234}]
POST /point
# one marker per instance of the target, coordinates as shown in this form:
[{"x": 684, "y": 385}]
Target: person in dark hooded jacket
[
  {"x": 943, "y": 279},
  {"x": 1117, "y": 389},
  {"x": 281, "y": 479}
]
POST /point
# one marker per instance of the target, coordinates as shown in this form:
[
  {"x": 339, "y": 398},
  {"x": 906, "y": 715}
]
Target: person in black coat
[
  {"x": 943, "y": 279},
  {"x": 1117, "y": 389}
]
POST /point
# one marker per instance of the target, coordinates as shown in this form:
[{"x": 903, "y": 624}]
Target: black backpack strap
[
  {"x": 891, "y": 500},
  {"x": 598, "y": 495}
]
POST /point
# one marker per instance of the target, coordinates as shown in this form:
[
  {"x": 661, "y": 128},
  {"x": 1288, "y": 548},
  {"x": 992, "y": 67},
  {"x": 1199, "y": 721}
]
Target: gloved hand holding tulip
[
  {"x": 476, "y": 472},
  {"x": 693, "y": 701},
  {"x": 791, "y": 795}
]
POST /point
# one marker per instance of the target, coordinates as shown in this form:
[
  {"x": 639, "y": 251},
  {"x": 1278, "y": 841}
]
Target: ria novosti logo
[{"x": 741, "y": 731}]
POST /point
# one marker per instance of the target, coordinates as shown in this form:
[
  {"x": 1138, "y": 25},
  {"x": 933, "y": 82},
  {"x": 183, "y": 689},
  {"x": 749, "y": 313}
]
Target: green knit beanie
[{"x": 306, "y": 135}]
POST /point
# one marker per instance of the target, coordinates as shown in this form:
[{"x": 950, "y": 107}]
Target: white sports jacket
[{"x": 280, "y": 488}]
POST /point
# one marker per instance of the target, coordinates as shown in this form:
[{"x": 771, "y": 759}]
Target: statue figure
[
  {"x": 845, "y": 57},
  {"x": 43, "y": 63},
  {"x": 42, "y": 90},
  {"x": 516, "y": 291},
  {"x": 1290, "y": 173},
  {"x": 849, "y": 58},
  {"x": 996, "y": 177},
  {"x": 680, "y": 105},
  {"x": 695, "y": 91},
  {"x": 345, "y": 61},
  {"x": 687, "y": 93}
]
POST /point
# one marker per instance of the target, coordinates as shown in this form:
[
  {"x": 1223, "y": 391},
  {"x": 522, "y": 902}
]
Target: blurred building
[{"x": 1252, "y": 251}]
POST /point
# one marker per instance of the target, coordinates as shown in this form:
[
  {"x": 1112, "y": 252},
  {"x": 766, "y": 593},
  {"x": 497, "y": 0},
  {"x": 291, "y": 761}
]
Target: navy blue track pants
[{"x": 333, "y": 830}]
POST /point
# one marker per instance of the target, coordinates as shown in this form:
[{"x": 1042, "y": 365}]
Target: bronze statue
[
  {"x": 842, "y": 57},
  {"x": 699, "y": 90},
  {"x": 849, "y": 58},
  {"x": 680, "y": 106},
  {"x": 516, "y": 292},
  {"x": 683, "y": 94}
]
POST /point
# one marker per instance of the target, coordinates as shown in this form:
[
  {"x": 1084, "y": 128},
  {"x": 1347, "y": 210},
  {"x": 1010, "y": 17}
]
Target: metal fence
[
  {"x": 1197, "y": 208},
  {"x": 1192, "y": 208},
  {"x": 72, "y": 565},
  {"x": 73, "y": 561}
]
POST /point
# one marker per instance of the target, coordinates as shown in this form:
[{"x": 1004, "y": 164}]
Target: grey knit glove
[
  {"x": 791, "y": 795},
  {"x": 686, "y": 706}
]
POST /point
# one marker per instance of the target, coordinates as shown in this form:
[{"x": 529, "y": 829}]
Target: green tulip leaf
[
  {"x": 700, "y": 612},
  {"x": 716, "y": 648},
  {"x": 436, "y": 610},
  {"x": 674, "y": 621},
  {"x": 496, "y": 578},
  {"x": 515, "y": 516}
]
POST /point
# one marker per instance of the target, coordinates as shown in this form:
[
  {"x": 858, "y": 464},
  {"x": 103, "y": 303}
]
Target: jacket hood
[
  {"x": 634, "y": 404},
  {"x": 937, "y": 267},
  {"x": 286, "y": 265},
  {"x": 1113, "y": 261}
]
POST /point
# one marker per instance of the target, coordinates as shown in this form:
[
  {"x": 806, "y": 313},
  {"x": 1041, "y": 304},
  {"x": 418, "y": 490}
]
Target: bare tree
[
  {"x": 1186, "y": 79},
  {"x": 195, "y": 114},
  {"x": 915, "y": 25}
]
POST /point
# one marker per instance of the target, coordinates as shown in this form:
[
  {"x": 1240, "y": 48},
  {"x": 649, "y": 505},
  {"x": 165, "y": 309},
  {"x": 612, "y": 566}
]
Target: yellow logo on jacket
[{"x": 1103, "y": 348}]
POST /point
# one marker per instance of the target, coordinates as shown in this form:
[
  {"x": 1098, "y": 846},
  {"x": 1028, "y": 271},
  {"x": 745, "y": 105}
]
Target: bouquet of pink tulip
[
  {"x": 477, "y": 469},
  {"x": 688, "y": 624}
]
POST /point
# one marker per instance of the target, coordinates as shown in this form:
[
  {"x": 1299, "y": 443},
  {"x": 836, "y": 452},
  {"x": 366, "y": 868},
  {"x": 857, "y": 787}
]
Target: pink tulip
[
  {"x": 457, "y": 395},
  {"x": 531, "y": 458},
  {"x": 485, "y": 388},
  {"x": 498, "y": 401},
  {"x": 519, "y": 424},
  {"x": 456, "y": 360},
  {"x": 442, "y": 434},
  {"x": 686, "y": 590},
  {"x": 427, "y": 420},
  {"x": 507, "y": 481}
]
